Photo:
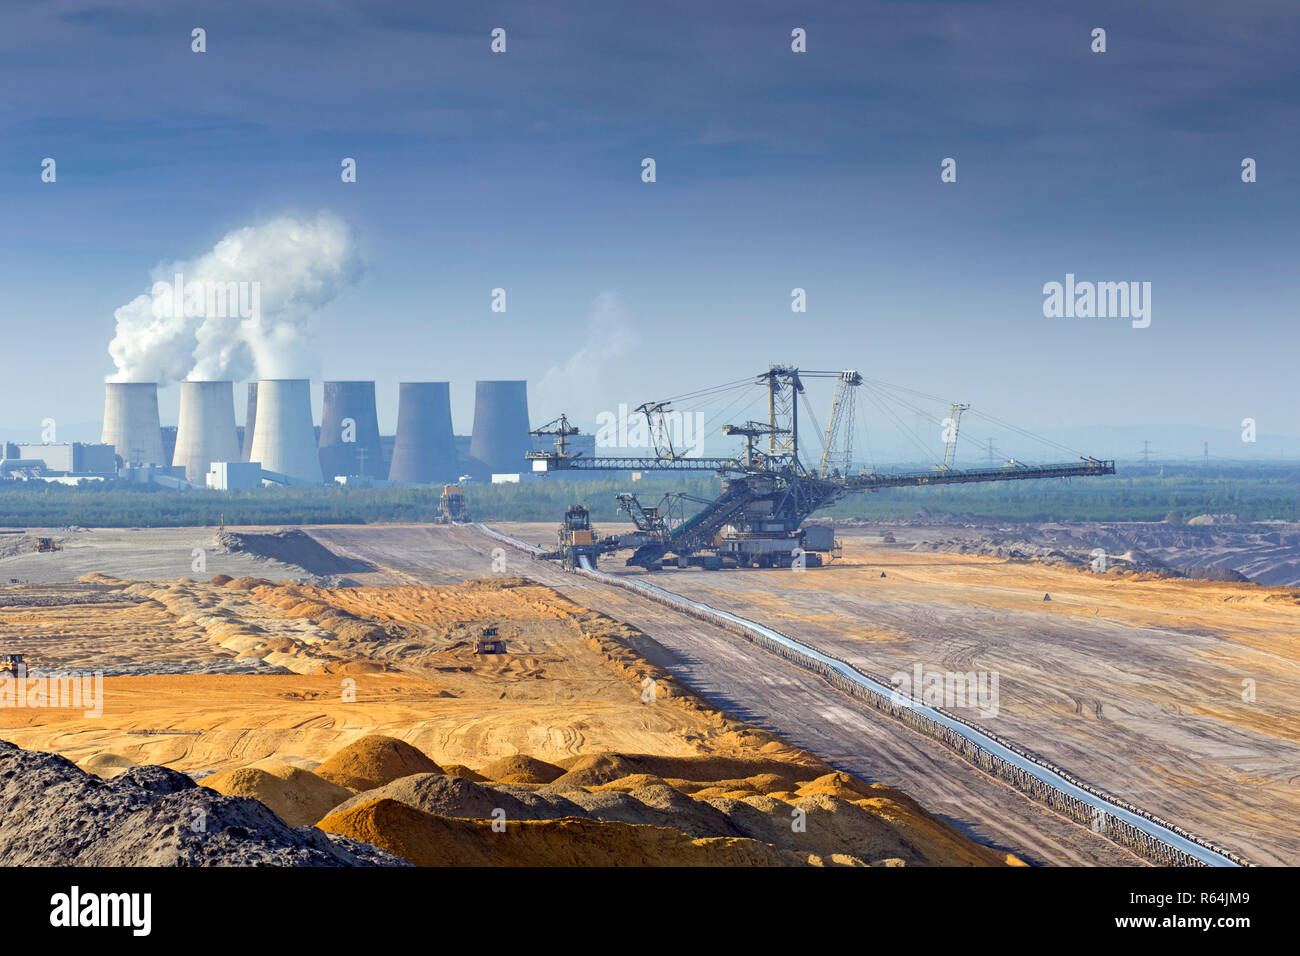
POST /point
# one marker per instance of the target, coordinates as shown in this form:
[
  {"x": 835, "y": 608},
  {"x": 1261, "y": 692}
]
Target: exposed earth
[{"x": 1132, "y": 681}]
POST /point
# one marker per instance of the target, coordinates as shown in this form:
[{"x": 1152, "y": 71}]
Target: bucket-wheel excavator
[{"x": 767, "y": 491}]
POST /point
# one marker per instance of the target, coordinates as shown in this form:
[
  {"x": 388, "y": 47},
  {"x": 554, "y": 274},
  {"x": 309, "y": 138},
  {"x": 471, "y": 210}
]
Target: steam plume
[{"x": 243, "y": 308}]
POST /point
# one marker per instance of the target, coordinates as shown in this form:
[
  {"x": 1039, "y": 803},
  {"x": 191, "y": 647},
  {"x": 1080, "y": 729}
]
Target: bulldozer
[
  {"x": 489, "y": 642},
  {"x": 13, "y": 665},
  {"x": 44, "y": 545}
]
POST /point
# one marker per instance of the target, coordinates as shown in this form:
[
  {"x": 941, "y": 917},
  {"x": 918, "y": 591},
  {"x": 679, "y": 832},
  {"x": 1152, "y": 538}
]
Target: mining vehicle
[
  {"x": 767, "y": 490},
  {"x": 13, "y": 665},
  {"x": 451, "y": 506},
  {"x": 489, "y": 643}
]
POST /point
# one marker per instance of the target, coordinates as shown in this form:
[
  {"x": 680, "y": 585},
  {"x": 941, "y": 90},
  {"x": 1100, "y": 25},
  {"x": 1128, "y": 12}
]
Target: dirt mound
[
  {"x": 1212, "y": 574},
  {"x": 429, "y": 840},
  {"x": 290, "y": 546},
  {"x": 878, "y": 829},
  {"x": 248, "y": 584},
  {"x": 57, "y": 815},
  {"x": 496, "y": 584},
  {"x": 842, "y": 785},
  {"x": 106, "y": 765},
  {"x": 450, "y": 796},
  {"x": 354, "y": 667},
  {"x": 298, "y": 797},
  {"x": 521, "y": 768},
  {"x": 373, "y": 761},
  {"x": 457, "y": 770},
  {"x": 593, "y": 770},
  {"x": 656, "y": 806}
]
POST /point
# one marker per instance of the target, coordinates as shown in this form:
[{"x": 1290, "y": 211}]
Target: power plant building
[
  {"x": 206, "y": 428},
  {"x": 250, "y": 417},
  {"x": 131, "y": 423},
  {"x": 500, "y": 441},
  {"x": 233, "y": 475},
  {"x": 66, "y": 458},
  {"x": 424, "y": 451},
  {"x": 349, "y": 432},
  {"x": 284, "y": 437}
]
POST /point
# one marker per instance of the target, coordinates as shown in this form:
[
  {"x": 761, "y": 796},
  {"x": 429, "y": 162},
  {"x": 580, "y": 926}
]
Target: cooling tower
[
  {"x": 425, "y": 450},
  {"x": 500, "y": 439},
  {"x": 131, "y": 422},
  {"x": 205, "y": 431},
  {"x": 250, "y": 418},
  {"x": 284, "y": 438},
  {"x": 349, "y": 431}
]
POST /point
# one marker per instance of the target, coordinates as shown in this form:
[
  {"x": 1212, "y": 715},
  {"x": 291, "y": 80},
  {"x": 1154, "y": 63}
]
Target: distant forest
[{"x": 1252, "y": 493}]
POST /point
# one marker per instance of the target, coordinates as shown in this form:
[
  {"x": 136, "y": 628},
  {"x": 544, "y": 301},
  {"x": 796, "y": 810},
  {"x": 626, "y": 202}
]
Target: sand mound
[
  {"x": 248, "y": 584},
  {"x": 95, "y": 577},
  {"x": 657, "y": 806},
  {"x": 458, "y": 770},
  {"x": 449, "y": 796},
  {"x": 354, "y": 667},
  {"x": 429, "y": 840},
  {"x": 593, "y": 770},
  {"x": 374, "y": 761},
  {"x": 878, "y": 830},
  {"x": 106, "y": 766},
  {"x": 298, "y": 797},
  {"x": 274, "y": 764},
  {"x": 521, "y": 768},
  {"x": 632, "y": 782},
  {"x": 842, "y": 785}
]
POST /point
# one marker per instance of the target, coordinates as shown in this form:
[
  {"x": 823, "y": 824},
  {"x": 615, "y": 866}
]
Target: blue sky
[{"x": 775, "y": 170}]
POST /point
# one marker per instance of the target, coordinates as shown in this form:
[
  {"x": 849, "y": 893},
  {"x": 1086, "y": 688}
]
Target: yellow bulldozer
[{"x": 13, "y": 665}]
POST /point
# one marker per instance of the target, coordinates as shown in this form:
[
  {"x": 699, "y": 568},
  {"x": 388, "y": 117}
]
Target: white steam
[{"x": 242, "y": 309}]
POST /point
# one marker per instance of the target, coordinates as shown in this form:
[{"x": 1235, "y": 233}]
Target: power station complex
[{"x": 280, "y": 442}]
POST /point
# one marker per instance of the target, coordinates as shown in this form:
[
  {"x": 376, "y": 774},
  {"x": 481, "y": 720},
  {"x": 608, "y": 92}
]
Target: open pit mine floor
[
  {"x": 1133, "y": 684},
  {"x": 363, "y": 711}
]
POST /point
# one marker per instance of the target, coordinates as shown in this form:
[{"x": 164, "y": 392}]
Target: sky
[{"x": 775, "y": 170}]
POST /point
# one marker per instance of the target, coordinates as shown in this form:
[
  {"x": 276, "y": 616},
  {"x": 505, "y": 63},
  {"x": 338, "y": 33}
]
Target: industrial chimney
[
  {"x": 205, "y": 431},
  {"x": 425, "y": 449},
  {"x": 349, "y": 431},
  {"x": 500, "y": 438},
  {"x": 131, "y": 422},
  {"x": 250, "y": 419},
  {"x": 284, "y": 438}
]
